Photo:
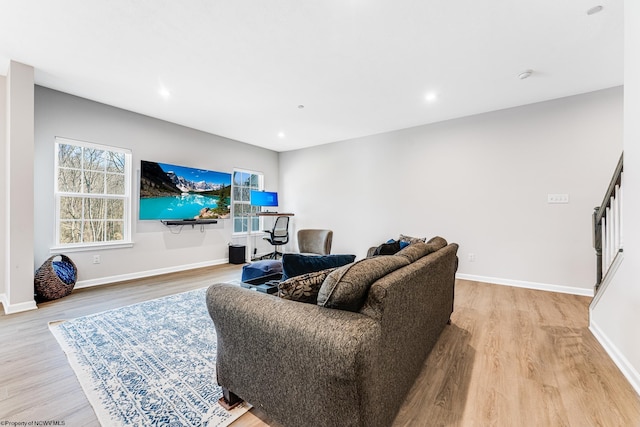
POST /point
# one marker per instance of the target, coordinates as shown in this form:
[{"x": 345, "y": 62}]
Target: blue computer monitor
[{"x": 264, "y": 198}]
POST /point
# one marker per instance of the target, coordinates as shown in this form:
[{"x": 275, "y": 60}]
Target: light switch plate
[{"x": 557, "y": 198}]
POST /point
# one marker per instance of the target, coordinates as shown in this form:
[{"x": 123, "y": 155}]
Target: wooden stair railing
[{"x": 607, "y": 225}]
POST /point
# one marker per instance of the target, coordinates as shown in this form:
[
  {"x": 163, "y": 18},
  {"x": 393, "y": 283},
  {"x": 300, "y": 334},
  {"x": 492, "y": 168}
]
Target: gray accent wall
[
  {"x": 156, "y": 248},
  {"x": 481, "y": 181}
]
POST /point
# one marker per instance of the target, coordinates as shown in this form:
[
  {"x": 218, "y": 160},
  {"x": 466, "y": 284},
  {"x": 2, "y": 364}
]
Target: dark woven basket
[{"x": 47, "y": 284}]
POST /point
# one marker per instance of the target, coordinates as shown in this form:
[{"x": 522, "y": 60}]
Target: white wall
[
  {"x": 19, "y": 188},
  {"x": 480, "y": 181},
  {"x": 615, "y": 318},
  {"x": 156, "y": 248},
  {"x": 3, "y": 192}
]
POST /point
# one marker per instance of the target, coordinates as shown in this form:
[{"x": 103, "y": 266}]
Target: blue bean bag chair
[{"x": 261, "y": 268}]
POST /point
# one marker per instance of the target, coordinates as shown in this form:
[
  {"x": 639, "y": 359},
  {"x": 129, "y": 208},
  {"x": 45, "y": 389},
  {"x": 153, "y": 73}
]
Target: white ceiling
[{"x": 241, "y": 68}]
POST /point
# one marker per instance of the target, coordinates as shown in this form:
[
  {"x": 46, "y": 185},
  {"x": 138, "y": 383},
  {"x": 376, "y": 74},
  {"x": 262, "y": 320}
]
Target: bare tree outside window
[
  {"x": 92, "y": 195},
  {"x": 243, "y": 182}
]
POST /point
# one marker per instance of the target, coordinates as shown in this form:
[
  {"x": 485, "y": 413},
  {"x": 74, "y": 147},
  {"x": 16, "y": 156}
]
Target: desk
[
  {"x": 249, "y": 231},
  {"x": 273, "y": 214}
]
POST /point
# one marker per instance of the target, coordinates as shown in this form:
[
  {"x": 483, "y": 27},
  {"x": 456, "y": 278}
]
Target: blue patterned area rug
[{"x": 149, "y": 364}]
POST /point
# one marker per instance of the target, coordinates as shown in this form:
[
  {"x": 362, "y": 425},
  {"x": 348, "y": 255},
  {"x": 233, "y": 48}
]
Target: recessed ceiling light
[
  {"x": 281, "y": 135},
  {"x": 594, "y": 10},
  {"x": 431, "y": 97},
  {"x": 525, "y": 74}
]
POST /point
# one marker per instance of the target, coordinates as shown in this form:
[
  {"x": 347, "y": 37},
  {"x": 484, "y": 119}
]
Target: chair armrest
[{"x": 271, "y": 349}]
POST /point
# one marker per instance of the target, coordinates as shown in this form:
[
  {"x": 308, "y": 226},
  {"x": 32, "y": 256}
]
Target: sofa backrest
[
  {"x": 410, "y": 281},
  {"x": 346, "y": 288},
  {"x": 412, "y": 306},
  {"x": 415, "y": 251}
]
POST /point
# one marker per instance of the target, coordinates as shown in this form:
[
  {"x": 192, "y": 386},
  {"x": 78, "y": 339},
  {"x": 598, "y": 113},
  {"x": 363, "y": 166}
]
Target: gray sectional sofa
[{"x": 348, "y": 360}]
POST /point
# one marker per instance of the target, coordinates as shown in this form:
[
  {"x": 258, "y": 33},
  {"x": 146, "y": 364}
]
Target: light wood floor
[{"x": 512, "y": 357}]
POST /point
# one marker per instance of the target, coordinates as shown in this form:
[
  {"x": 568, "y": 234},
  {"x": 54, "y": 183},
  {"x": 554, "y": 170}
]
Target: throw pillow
[
  {"x": 388, "y": 248},
  {"x": 65, "y": 271},
  {"x": 346, "y": 288},
  {"x": 303, "y": 288},
  {"x": 410, "y": 240},
  {"x": 297, "y": 264},
  {"x": 403, "y": 244}
]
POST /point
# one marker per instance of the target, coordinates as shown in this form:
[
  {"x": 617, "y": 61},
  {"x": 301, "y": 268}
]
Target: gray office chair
[
  {"x": 278, "y": 236},
  {"x": 316, "y": 242}
]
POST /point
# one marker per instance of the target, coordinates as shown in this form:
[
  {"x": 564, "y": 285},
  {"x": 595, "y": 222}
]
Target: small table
[
  {"x": 236, "y": 254},
  {"x": 267, "y": 284}
]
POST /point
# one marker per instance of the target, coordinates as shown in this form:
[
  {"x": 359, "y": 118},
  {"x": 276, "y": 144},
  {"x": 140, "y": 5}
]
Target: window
[
  {"x": 92, "y": 194},
  {"x": 243, "y": 183}
]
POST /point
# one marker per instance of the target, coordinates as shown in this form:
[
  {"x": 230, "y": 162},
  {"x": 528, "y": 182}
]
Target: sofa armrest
[{"x": 279, "y": 354}]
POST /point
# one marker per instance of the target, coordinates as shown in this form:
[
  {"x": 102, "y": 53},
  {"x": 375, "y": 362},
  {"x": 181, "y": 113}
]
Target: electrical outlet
[
  {"x": 96, "y": 259},
  {"x": 472, "y": 257}
]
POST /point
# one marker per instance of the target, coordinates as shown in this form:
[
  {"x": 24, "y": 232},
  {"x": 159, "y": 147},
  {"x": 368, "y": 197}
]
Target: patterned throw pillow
[
  {"x": 303, "y": 288},
  {"x": 410, "y": 239}
]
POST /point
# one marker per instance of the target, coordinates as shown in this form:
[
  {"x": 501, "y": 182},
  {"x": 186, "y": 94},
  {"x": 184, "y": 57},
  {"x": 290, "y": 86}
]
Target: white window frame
[
  {"x": 126, "y": 198},
  {"x": 234, "y": 201}
]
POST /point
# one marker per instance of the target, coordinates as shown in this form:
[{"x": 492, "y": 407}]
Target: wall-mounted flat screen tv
[
  {"x": 264, "y": 198},
  {"x": 172, "y": 192}
]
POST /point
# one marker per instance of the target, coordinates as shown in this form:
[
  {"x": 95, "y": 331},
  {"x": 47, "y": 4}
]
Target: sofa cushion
[
  {"x": 297, "y": 264},
  {"x": 416, "y": 251},
  {"x": 437, "y": 243},
  {"x": 346, "y": 287},
  {"x": 303, "y": 288}
]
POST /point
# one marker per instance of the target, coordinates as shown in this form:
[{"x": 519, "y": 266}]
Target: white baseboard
[
  {"x": 3, "y": 301},
  {"x": 141, "y": 274},
  {"x": 629, "y": 372},
  {"x": 608, "y": 278},
  {"x": 16, "y": 308},
  {"x": 528, "y": 285}
]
